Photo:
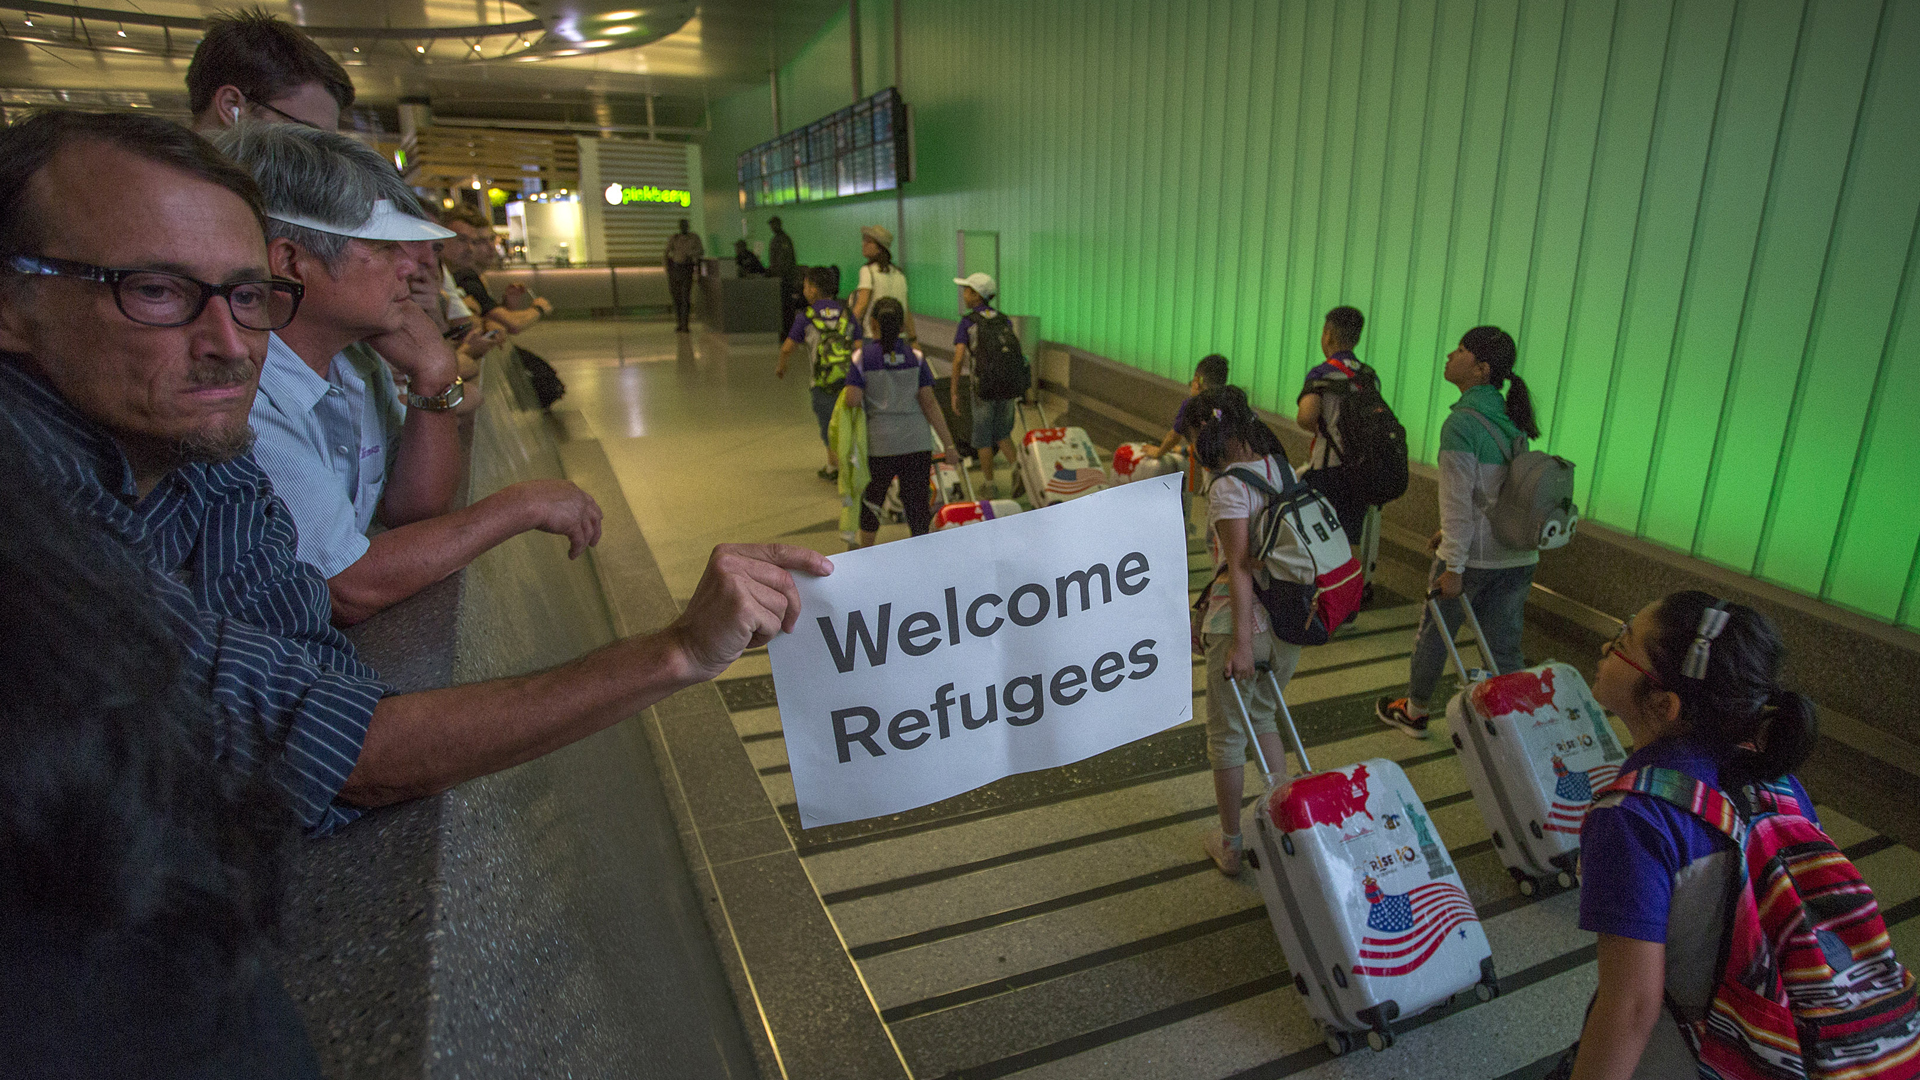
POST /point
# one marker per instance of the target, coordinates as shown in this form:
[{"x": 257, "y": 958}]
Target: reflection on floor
[{"x": 1066, "y": 923}]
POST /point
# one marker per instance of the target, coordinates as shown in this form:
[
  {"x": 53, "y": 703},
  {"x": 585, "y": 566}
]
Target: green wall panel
[{"x": 1698, "y": 217}]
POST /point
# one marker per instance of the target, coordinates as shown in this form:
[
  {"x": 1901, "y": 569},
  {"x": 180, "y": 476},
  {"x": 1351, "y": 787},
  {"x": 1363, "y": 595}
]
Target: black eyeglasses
[
  {"x": 287, "y": 116},
  {"x": 160, "y": 298}
]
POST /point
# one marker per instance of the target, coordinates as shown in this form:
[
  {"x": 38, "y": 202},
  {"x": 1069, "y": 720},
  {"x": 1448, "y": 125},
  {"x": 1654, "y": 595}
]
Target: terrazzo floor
[{"x": 1066, "y": 924}]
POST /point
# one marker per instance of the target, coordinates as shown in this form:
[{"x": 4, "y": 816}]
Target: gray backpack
[{"x": 1535, "y": 510}]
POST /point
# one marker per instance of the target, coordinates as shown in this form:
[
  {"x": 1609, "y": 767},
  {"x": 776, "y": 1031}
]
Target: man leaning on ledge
[
  {"x": 132, "y": 332},
  {"x": 342, "y": 451}
]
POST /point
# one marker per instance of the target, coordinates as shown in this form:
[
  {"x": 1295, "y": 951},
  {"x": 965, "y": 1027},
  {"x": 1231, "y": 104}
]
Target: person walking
[
  {"x": 992, "y": 415},
  {"x": 828, "y": 331},
  {"x": 1318, "y": 412},
  {"x": 682, "y": 258},
  {"x": 1231, "y": 627},
  {"x": 1468, "y": 559},
  {"x": 893, "y": 383},
  {"x": 786, "y": 267},
  {"x": 878, "y": 278}
]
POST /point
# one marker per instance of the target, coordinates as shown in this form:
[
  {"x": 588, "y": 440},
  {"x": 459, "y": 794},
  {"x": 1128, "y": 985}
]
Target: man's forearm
[
  {"x": 402, "y": 561},
  {"x": 426, "y": 468},
  {"x": 419, "y": 744},
  {"x": 514, "y": 321}
]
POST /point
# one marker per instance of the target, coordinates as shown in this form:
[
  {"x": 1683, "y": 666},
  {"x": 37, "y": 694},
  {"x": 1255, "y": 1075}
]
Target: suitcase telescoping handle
[
  {"x": 1246, "y": 720},
  {"x": 1479, "y": 639},
  {"x": 966, "y": 480}
]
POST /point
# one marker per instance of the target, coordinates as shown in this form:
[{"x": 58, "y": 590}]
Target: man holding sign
[{"x": 1058, "y": 635}]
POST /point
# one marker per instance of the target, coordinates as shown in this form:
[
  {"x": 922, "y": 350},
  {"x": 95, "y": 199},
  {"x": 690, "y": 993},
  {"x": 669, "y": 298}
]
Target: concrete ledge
[
  {"x": 806, "y": 1010},
  {"x": 537, "y": 922}
]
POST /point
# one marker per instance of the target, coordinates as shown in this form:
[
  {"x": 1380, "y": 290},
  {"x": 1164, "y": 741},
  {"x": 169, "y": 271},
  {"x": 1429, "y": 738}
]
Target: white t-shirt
[
  {"x": 882, "y": 283},
  {"x": 1229, "y": 498}
]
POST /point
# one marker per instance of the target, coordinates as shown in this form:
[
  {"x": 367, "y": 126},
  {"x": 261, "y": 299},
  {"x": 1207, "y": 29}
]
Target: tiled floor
[{"x": 1066, "y": 923}]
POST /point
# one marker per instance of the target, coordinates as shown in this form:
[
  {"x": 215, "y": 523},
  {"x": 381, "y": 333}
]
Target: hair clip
[
  {"x": 1712, "y": 621},
  {"x": 1216, "y": 414}
]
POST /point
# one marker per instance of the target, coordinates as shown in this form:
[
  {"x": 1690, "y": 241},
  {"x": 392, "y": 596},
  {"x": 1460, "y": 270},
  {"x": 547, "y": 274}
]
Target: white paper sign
[{"x": 925, "y": 668}]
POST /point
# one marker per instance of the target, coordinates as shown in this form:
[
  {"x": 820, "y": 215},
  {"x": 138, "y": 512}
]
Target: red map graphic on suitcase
[
  {"x": 1327, "y": 799},
  {"x": 1521, "y": 691},
  {"x": 1405, "y": 929}
]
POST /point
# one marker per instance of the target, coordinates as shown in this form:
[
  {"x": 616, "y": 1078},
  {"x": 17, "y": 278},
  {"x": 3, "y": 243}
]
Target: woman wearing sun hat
[{"x": 878, "y": 278}]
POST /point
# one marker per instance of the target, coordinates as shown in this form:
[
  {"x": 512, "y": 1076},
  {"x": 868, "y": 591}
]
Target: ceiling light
[
  {"x": 600, "y": 43},
  {"x": 620, "y": 16},
  {"x": 476, "y": 184},
  {"x": 620, "y": 29},
  {"x": 419, "y": 48},
  {"x": 567, "y": 52},
  {"x": 122, "y": 31},
  {"x": 356, "y": 48},
  {"x": 28, "y": 20}
]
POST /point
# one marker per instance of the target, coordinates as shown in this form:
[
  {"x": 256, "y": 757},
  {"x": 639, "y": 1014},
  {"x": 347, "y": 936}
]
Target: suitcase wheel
[
  {"x": 1486, "y": 991},
  {"x": 1253, "y": 858},
  {"x": 1491, "y": 730},
  {"x": 1457, "y": 745},
  {"x": 1566, "y": 880},
  {"x": 1300, "y": 984},
  {"x": 1497, "y": 842},
  {"x": 1379, "y": 1039},
  {"x": 1527, "y": 885},
  {"x": 1534, "y": 827},
  {"x": 1338, "y": 1042},
  {"x": 1286, "y": 844}
]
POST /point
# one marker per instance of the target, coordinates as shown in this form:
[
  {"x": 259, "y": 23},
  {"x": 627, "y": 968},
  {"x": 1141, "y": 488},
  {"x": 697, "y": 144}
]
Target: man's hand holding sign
[{"x": 925, "y": 669}]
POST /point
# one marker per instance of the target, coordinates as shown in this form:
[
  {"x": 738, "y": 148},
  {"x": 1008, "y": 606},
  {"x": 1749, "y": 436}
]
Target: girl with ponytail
[
  {"x": 1696, "y": 680},
  {"x": 1230, "y": 626},
  {"x": 1483, "y": 432}
]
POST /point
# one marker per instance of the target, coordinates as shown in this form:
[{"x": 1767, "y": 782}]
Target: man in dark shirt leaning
[{"x": 132, "y": 333}]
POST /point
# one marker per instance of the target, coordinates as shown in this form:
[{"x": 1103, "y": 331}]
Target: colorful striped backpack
[{"x": 1809, "y": 986}]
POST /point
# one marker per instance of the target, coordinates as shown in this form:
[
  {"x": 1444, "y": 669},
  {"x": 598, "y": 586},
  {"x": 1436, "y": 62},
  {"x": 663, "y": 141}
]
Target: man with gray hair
[{"x": 342, "y": 449}]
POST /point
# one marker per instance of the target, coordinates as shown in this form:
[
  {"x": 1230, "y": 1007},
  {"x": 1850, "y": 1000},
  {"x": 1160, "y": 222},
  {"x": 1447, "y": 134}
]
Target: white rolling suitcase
[
  {"x": 1535, "y": 747},
  {"x": 1368, "y": 908},
  {"x": 1058, "y": 463}
]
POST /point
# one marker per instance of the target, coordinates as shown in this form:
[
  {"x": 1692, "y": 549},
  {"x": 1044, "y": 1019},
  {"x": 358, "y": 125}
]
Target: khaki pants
[{"x": 1226, "y": 730}]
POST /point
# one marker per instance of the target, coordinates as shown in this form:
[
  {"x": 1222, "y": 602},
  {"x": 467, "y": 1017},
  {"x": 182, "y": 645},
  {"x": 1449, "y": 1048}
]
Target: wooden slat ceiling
[{"x": 453, "y": 157}]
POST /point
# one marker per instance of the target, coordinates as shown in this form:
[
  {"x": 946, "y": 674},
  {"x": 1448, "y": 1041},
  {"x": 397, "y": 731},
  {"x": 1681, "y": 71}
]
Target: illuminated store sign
[{"x": 647, "y": 193}]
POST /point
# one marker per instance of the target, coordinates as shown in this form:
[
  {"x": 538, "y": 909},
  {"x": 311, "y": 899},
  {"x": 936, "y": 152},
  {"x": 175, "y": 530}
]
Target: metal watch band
[{"x": 441, "y": 402}]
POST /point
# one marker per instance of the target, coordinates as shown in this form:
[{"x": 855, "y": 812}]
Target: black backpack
[
  {"x": 1372, "y": 443},
  {"x": 1000, "y": 370}
]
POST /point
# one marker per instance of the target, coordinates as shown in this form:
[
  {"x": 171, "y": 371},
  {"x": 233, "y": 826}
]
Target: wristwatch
[{"x": 442, "y": 401}]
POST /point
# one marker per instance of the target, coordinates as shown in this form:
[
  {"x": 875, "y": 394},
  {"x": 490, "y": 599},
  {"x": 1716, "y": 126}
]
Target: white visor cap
[{"x": 387, "y": 222}]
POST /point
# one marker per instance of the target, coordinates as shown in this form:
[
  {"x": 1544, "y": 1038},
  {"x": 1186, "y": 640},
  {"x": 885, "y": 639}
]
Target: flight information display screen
[{"x": 856, "y": 151}]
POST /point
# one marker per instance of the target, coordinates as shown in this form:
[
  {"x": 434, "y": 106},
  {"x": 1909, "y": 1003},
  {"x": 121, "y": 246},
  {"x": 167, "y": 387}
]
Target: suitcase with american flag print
[
  {"x": 1535, "y": 747},
  {"x": 1058, "y": 463},
  {"x": 1365, "y": 901}
]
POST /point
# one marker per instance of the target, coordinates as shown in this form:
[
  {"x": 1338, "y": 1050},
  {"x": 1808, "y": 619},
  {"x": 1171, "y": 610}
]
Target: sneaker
[
  {"x": 1395, "y": 712},
  {"x": 1225, "y": 853},
  {"x": 828, "y": 474}
]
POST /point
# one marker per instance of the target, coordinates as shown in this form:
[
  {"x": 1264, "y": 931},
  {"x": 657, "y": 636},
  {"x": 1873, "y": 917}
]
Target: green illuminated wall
[{"x": 1697, "y": 216}]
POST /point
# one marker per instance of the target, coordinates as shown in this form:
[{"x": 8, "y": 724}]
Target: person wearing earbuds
[
  {"x": 1696, "y": 679},
  {"x": 253, "y": 67},
  {"x": 347, "y": 449},
  {"x": 1468, "y": 558}
]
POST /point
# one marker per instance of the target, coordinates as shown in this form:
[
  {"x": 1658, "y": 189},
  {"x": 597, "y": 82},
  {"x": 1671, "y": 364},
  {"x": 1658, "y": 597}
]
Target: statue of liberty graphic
[{"x": 1436, "y": 856}]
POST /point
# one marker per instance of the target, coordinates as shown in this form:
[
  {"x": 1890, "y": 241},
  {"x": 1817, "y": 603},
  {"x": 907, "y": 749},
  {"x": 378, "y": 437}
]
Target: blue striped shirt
[{"x": 288, "y": 691}]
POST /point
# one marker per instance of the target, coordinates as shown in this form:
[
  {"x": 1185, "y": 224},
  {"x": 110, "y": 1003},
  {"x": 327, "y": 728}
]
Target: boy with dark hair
[
  {"x": 1318, "y": 411},
  {"x": 1209, "y": 374},
  {"x": 828, "y": 329},
  {"x": 251, "y": 65}
]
